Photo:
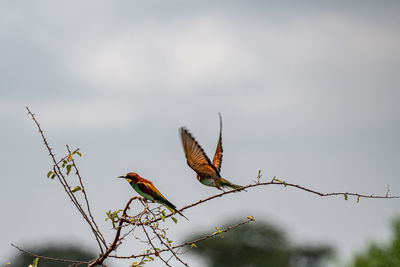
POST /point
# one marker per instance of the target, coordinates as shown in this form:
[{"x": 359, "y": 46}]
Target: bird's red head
[{"x": 131, "y": 177}]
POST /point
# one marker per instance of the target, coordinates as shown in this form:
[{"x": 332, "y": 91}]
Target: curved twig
[{"x": 77, "y": 263}]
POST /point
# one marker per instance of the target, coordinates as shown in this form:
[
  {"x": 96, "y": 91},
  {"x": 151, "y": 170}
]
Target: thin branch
[
  {"x": 62, "y": 179},
  {"x": 278, "y": 182},
  {"x": 86, "y": 199},
  {"x": 274, "y": 182},
  {"x": 113, "y": 245},
  {"x": 168, "y": 247},
  {"x": 77, "y": 263},
  {"x": 152, "y": 245},
  {"x": 386, "y": 196},
  {"x": 186, "y": 243}
]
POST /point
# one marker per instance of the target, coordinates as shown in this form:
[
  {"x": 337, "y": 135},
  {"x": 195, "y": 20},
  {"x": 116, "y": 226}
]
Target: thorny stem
[
  {"x": 86, "y": 199},
  {"x": 168, "y": 247},
  {"x": 64, "y": 182},
  {"x": 113, "y": 245},
  {"x": 152, "y": 245}
]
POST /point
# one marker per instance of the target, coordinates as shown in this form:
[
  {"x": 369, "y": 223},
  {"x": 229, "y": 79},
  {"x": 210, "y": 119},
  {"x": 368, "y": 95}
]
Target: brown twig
[
  {"x": 77, "y": 263},
  {"x": 186, "y": 243},
  {"x": 113, "y": 245},
  {"x": 63, "y": 181},
  {"x": 149, "y": 240},
  {"x": 86, "y": 199},
  {"x": 168, "y": 247},
  {"x": 154, "y": 229},
  {"x": 277, "y": 182}
]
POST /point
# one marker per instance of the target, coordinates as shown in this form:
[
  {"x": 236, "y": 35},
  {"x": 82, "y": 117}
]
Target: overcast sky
[{"x": 308, "y": 91}]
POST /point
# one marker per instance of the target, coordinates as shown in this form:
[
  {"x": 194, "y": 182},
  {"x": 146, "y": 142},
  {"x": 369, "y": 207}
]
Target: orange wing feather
[
  {"x": 217, "y": 161},
  {"x": 195, "y": 155}
]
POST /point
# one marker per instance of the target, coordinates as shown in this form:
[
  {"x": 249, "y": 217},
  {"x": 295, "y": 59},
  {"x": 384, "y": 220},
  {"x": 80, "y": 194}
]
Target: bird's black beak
[{"x": 121, "y": 176}]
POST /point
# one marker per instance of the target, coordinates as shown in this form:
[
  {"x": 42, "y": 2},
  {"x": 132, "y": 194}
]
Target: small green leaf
[
  {"x": 35, "y": 262},
  {"x": 345, "y": 196},
  {"x": 162, "y": 217},
  {"x": 358, "y": 199},
  {"x": 69, "y": 166},
  {"x": 75, "y": 188},
  {"x": 193, "y": 245},
  {"x": 49, "y": 173},
  {"x": 151, "y": 258},
  {"x": 259, "y": 176},
  {"x": 54, "y": 175},
  {"x": 174, "y": 219},
  {"x": 77, "y": 152},
  {"x": 219, "y": 232},
  {"x": 276, "y": 180},
  {"x": 251, "y": 218}
]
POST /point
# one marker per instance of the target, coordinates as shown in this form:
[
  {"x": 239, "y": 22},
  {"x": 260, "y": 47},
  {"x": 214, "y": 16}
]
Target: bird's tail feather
[
  {"x": 181, "y": 214},
  {"x": 172, "y": 207},
  {"x": 226, "y": 183}
]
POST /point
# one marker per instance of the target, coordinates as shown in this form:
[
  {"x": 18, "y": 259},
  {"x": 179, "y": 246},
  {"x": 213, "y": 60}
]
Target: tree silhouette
[
  {"x": 258, "y": 245},
  {"x": 381, "y": 255}
]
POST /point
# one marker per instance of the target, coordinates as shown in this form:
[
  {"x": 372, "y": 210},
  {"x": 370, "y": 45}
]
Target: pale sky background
[{"x": 308, "y": 92}]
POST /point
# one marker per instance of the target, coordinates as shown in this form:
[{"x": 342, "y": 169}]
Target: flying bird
[
  {"x": 207, "y": 173},
  {"x": 146, "y": 189}
]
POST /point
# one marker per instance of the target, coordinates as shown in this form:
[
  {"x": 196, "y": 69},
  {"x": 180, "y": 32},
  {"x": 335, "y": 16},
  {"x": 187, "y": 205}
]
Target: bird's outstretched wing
[
  {"x": 195, "y": 156},
  {"x": 217, "y": 161}
]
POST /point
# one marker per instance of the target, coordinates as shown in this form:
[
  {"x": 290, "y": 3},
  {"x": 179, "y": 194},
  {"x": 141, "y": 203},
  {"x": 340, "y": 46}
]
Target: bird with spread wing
[
  {"x": 207, "y": 173},
  {"x": 146, "y": 189}
]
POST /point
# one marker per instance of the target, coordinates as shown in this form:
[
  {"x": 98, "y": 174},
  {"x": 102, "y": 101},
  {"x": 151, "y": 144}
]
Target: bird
[
  {"x": 146, "y": 189},
  {"x": 207, "y": 173}
]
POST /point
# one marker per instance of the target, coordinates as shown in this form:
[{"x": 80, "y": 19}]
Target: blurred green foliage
[
  {"x": 381, "y": 255},
  {"x": 258, "y": 245},
  {"x": 70, "y": 252}
]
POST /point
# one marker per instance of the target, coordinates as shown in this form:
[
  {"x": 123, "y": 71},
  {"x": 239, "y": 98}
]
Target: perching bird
[
  {"x": 207, "y": 172},
  {"x": 146, "y": 189}
]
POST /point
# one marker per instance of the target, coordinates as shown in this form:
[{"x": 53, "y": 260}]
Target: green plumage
[
  {"x": 146, "y": 189},
  {"x": 154, "y": 197},
  {"x": 225, "y": 183}
]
